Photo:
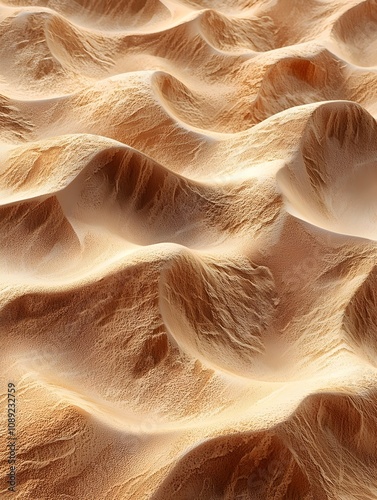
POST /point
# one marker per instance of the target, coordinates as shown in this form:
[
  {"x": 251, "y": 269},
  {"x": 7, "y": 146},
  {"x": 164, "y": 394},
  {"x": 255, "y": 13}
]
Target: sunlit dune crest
[{"x": 188, "y": 218}]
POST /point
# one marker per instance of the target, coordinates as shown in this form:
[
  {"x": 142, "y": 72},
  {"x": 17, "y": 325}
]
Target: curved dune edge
[{"x": 188, "y": 248}]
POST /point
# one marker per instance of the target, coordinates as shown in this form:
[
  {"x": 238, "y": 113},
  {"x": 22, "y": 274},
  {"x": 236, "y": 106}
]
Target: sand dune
[{"x": 188, "y": 248}]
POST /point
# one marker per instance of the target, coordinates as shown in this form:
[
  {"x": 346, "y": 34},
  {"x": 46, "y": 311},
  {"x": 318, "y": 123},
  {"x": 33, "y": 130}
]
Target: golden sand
[{"x": 188, "y": 226}]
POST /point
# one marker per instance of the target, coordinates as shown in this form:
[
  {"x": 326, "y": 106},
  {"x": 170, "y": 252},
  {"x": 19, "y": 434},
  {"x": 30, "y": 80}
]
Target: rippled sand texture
[{"x": 188, "y": 225}]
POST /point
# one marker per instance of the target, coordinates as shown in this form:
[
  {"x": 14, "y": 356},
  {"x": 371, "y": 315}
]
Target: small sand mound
[
  {"x": 234, "y": 303},
  {"x": 331, "y": 184},
  {"x": 356, "y": 33}
]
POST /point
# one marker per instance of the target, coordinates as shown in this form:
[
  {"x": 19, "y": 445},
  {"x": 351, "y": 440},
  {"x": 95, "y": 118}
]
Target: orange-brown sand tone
[{"x": 188, "y": 226}]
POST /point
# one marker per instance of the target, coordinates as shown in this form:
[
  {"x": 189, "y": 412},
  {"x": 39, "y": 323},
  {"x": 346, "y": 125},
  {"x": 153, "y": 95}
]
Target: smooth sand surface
[{"x": 188, "y": 226}]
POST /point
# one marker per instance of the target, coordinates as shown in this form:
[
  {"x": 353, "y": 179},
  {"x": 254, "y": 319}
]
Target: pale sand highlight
[{"x": 188, "y": 248}]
